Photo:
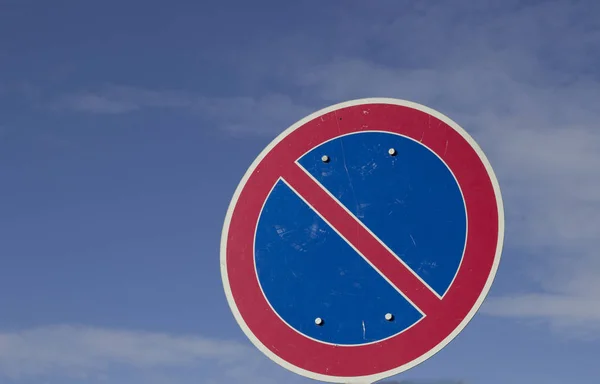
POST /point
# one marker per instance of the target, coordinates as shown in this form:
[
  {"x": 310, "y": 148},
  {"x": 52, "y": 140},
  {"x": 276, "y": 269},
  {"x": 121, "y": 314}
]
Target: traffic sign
[{"x": 362, "y": 240}]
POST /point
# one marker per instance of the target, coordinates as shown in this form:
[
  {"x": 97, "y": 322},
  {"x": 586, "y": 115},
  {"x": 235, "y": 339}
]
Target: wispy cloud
[
  {"x": 264, "y": 114},
  {"x": 116, "y": 99},
  {"x": 107, "y": 355},
  {"x": 573, "y": 313}
]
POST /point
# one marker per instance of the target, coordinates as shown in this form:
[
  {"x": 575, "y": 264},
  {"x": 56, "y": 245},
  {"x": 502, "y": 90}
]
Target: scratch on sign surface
[
  {"x": 364, "y": 331},
  {"x": 413, "y": 240}
]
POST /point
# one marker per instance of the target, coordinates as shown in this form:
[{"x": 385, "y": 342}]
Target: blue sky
[{"x": 125, "y": 127}]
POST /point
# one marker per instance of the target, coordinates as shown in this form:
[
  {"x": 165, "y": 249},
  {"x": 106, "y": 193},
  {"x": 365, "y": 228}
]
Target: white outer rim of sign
[{"x": 453, "y": 334}]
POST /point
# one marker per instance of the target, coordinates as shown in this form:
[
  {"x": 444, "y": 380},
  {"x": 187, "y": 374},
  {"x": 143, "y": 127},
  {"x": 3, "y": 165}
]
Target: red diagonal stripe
[{"x": 347, "y": 225}]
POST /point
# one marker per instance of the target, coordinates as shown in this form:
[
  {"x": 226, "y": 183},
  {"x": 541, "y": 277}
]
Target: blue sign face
[{"x": 404, "y": 194}]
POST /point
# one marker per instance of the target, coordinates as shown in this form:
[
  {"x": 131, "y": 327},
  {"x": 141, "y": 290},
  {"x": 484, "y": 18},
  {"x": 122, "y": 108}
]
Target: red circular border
[{"x": 461, "y": 297}]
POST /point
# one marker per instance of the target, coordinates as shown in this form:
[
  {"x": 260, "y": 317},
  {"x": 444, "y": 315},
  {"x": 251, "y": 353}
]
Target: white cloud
[
  {"x": 117, "y": 99},
  {"x": 246, "y": 115},
  {"x": 105, "y": 355},
  {"x": 574, "y": 315},
  {"x": 238, "y": 115}
]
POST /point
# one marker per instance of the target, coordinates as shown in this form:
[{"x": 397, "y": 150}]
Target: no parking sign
[{"x": 362, "y": 240}]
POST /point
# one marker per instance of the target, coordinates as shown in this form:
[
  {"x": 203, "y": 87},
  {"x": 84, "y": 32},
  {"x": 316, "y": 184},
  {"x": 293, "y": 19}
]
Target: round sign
[{"x": 362, "y": 240}]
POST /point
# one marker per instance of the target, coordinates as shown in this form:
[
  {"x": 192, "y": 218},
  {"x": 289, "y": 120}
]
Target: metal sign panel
[{"x": 362, "y": 240}]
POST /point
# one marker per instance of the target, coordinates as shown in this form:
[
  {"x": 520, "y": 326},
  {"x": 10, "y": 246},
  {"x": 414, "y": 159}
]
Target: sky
[{"x": 125, "y": 127}]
